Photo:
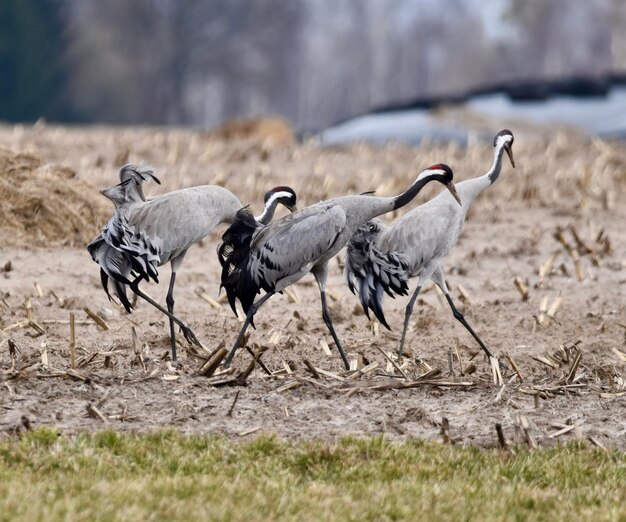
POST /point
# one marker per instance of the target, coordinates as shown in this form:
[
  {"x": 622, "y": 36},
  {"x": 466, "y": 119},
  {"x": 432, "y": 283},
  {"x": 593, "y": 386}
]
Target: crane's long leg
[
  {"x": 438, "y": 278},
  {"x": 459, "y": 317},
  {"x": 407, "y": 315},
  {"x": 321, "y": 276},
  {"x": 187, "y": 332},
  {"x": 253, "y": 310},
  {"x": 170, "y": 308}
]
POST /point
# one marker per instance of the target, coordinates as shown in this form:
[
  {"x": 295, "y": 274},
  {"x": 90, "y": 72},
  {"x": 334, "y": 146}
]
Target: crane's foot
[{"x": 189, "y": 335}]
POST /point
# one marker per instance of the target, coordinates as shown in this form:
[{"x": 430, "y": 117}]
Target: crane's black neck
[{"x": 407, "y": 197}]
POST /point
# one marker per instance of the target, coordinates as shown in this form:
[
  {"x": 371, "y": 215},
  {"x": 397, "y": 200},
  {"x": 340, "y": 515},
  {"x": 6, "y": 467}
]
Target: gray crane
[
  {"x": 272, "y": 257},
  {"x": 143, "y": 235},
  {"x": 381, "y": 259}
]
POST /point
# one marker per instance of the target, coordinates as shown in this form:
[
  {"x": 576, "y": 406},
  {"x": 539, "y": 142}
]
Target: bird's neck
[
  {"x": 268, "y": 212},
  {"x": 473, "y": 187},
  {"x": 407, "y": 196},
  {"x": 376, "y": 206}
]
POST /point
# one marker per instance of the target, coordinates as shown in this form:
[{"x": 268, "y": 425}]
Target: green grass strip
[{"x": 168, "y": 476}]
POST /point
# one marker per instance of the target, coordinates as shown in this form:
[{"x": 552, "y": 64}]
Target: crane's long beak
[
  {"x": 509, "y": 151},
  {"x": 292, "y": 208},
  {"x": 450, "y": 186}
]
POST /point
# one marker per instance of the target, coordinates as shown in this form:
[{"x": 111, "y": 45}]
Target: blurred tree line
[
  {"x": 33, "y": 74},
  {"x": 199, "y": 62}
]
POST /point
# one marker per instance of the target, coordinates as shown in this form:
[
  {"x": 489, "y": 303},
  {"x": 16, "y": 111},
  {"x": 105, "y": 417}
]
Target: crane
[
  {"x": 382, "y": 259},
  {"x": 144, "y": 235}
]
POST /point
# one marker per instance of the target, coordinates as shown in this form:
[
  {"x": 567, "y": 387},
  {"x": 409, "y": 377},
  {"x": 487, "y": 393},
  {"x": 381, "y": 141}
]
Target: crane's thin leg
[
  {"x": 459, "y": 317},
  {"x": 187, "y": 332},
  {"x": 407, "y": 315},
  {"x": 439, "y": 280},
  {"x": 170, "y": 308},
  {"x": 321, "y": 276},
  {"x": 253, "y": 310},
  {"x": 331, "y": 329}
]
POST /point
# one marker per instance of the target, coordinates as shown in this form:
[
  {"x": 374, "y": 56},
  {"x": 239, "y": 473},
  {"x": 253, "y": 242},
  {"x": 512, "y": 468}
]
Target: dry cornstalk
[
  {"x": 580, "y": 244},
  {"x": 501, "y": 439},
  {"x": 393, "y": 363},
  {"x": 514, "y": 366},
  {"x": 464, "y": 295},
  {"x": 612, "y": 395},
  {"x": 93, "y": 411},
  {"x": 554, "y": 307},
  {"x": 562, "y": 431},
  {"x": 571, "y": 375},
  {"x": 325, "y": 347},
  {"x": 289, "y": 386},
  {"x": 259, "y": 361},
  {"x": 573, "y": 253},
  {"x": 543, "y": 308},
  {"x": 366, "y": 369},
  {"x": 232, "y": 406},
  {"x": 311, "y": 368},
  {"x": 292, "y": 294},
  {"x": 44, "y": 354},
  {"x": 65, "y": 321},
  {"x": 209, "y": 367},
  {"x": 96, "y": 318},
  {"x": 521, "y": 288},
  {"x": 332, "y": 375},
  {"x": 596, "y": 442},
  {"x": 37, "y": 327},
  {"x": 72, "y": 342},
  {"x": 206, "y": 297},
  {"x": 445, "y": 431},
  {"x": 249, "y": 431},
  {"x": 546, "y": 361},
  {"x": 546, "y": 268},
  {"x": 14, "y": 326},
  {"x": 620, "y": 355}
]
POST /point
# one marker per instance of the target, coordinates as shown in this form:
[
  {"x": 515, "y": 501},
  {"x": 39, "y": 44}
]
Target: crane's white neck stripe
[
  {"x": 272, "y": 202},
  {"x": 277, "y": 195},
  {"x": 503, "y": 140},
  {"x": 428, "y": 172}
]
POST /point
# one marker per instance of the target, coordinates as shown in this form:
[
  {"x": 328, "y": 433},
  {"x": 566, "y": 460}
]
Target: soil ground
[{"x": 561, "y": 181}]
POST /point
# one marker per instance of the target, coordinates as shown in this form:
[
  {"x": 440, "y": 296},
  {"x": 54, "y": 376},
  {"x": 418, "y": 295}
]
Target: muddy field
[{"x": 555, "y": 224}]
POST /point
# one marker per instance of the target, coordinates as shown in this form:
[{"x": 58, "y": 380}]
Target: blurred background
[{"x": 314, "y": 63}]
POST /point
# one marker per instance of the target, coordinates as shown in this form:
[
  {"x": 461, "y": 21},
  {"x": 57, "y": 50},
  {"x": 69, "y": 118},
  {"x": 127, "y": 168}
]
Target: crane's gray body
[
  {"x": 425, "y": 235},
  {"x": 176, "y": 220},
  {"x": 382, "y": 259},
  {"x": 306, "y": 240},
  {"x": 161, "y": 229}
]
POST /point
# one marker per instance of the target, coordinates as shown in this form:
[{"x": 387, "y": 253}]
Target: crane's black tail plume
[
  {"x": 372, "y": 272},
  {"x": 233, "y": 253},
  {"x": 123, "y": 255}
]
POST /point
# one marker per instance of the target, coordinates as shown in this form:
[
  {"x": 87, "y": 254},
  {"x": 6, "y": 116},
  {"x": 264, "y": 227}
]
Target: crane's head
[
  {"x": 129, "y": 189},
  {"x": 284, "y": 195},
  {"x": 505, "y": 139},
  {"x": 366, "y": 232},
  {"x": 443, "y": 174},
  {"x": 133, "y": 177}
]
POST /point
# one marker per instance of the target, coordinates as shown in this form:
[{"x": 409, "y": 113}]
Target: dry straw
[{"x": 45, "y": 204}]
